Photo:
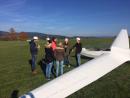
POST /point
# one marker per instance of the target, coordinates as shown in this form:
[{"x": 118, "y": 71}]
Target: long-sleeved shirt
[
  {"x": 67, "y": 49},
  {"x": 49, "y": 55},
  {"x": 33, "y": 48},
  {"x": 78, "y": 47},
  {"x": 59, "y": 53}
]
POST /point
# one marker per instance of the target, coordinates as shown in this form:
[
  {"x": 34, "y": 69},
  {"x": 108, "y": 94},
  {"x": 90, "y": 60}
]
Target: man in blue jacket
[{"x": 34, "y": 51}]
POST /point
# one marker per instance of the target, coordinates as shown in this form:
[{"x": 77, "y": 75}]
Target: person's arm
[
  {"x": 71, "y": 49},
  {"x": 80, "y": 47},
  {"x": 63, "y": 52},
  {"x": 38, "y": 46}
]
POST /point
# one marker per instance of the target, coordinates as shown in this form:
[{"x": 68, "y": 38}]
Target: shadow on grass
[
  {"x": 14, "y": 94},
  {"x": 42, "y": 65},
  {"x": 86, "y": 58},
  {"x": 83, "y": 57},
  {"x": 30, "y": 63}
]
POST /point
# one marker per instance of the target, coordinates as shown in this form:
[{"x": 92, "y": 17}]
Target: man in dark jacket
[
  {"x": 34, "y": 51},
  {"x": 78, "y": 49}
]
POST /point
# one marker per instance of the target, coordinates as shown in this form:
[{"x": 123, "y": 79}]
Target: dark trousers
[
  {"x": 53, "y": 70},
  {"x": 66, "y": 60},
  {"x": 78, "y": 60},
  {"x": 33, "y": 62}
]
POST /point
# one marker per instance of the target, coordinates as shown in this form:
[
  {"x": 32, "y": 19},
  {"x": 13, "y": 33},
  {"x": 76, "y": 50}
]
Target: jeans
[
  {"x": 59, "y": 65},
  {"x": 66, "y": 60},
  {"x": 48, "y": 70},
  {"x": 53, "y": 67},
  {"x": 78, "y": 60},
  {"x": 33, "y": 62}
]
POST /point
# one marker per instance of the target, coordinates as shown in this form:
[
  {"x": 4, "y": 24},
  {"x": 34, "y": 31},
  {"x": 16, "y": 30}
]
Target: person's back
[
  {"x": 33, "y": 47},
  {"x": 49, "y": 54},
  {"x": 59, "y": 53},
  {"x": 78, "y": 47}
]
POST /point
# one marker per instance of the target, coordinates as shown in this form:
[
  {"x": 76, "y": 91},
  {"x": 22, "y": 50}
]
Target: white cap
[
  {"x": 66, "y": 39},
  {"x": 47, "y": 38},
  {"x": 35, "y": 38},
  {"x": 77, "y": 38}
]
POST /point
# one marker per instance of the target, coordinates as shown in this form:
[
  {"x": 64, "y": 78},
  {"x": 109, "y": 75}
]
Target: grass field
[{"x": 15, "y": 72}]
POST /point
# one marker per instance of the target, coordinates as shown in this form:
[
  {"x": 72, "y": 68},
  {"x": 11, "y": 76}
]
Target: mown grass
[{"x": 15, "y": 72}]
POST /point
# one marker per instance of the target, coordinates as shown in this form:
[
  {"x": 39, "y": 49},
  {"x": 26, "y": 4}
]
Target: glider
[
  {"x": 87, "y": 73},
  {"x": 92, "y": 53}
]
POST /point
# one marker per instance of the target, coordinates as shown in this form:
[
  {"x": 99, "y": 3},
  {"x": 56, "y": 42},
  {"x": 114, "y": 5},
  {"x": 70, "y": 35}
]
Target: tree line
[{"x": 13, "y": 35}]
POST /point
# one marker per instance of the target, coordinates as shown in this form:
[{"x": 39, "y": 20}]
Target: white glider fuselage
[{"x": 87, "y": 73}]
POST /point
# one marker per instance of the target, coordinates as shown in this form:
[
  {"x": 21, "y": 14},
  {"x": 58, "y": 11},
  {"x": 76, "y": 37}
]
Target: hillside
[{"x": 31, "y": 34}]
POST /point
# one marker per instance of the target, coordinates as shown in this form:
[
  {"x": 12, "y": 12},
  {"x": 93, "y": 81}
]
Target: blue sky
[{"x": 66, "y": 17}]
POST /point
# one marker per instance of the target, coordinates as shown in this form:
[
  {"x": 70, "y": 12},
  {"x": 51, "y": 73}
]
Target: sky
[{"x": 66, "y": 17}]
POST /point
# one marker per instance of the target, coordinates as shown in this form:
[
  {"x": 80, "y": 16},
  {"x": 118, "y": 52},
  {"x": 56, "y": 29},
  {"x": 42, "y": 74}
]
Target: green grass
[{"x": 15, "y": 72}]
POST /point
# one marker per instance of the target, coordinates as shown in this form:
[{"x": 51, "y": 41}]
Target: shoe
[
  {"x": 34, "y": 72},
  {"x": 48, "y": 79},
  {"x": 69, "y": 66}
]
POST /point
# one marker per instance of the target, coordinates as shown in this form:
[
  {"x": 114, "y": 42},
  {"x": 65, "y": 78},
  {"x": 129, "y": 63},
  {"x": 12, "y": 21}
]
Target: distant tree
[
  {"x": 12, "y": 34},
  {"x": 12, "y": 30},
  {"x": 23, "y": 36}
]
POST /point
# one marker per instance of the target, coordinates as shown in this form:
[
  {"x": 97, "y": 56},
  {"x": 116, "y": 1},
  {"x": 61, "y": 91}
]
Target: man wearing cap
[
  {"x": 78, "y": 49},
  {"x": 34, "y": 51}
]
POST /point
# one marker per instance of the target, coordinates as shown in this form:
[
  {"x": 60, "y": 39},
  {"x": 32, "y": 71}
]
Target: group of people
[{"x": 56, "y": 55}]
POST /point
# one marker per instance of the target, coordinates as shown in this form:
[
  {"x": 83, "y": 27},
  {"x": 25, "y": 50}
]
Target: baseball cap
[
  {"x": 35, "y": 38},
  {"x": 77, "y": 38},
  {"x": 66, "y": 39},
  {"x": 47, "y": 38}
]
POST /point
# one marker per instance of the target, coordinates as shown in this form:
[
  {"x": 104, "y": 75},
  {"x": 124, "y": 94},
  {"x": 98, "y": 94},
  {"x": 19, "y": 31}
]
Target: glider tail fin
[
  {"x": 122, "y": 40},
  {"x": 121, "y": 45}
]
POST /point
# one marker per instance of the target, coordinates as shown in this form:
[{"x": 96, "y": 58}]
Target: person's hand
[{"x": 38, "y": 46}]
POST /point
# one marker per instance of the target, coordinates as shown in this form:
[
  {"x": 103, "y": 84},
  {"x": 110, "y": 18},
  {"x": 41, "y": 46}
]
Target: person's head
[
  {"x": 47, "y": 39},
  {"x": 66, "y": 40},
  {"x": 54, "y": 39},
  {"x": 78, "y": 40},
  {"x": 60, "y": 45},
  {"x": 35, "y": 38}
]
